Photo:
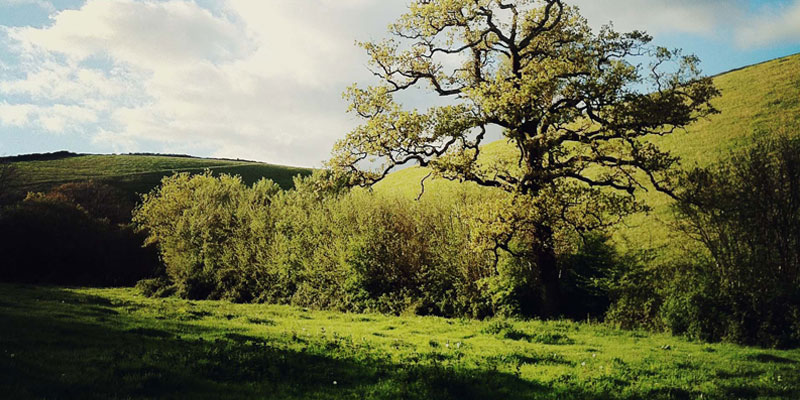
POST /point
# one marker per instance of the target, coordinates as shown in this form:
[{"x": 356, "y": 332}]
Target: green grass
[
  {"x": 141, "y": 173},
  {"x": 112, "y": 343},
  {"x": 756, "y": 101}
]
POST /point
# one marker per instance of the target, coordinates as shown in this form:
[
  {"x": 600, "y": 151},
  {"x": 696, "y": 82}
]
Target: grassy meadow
[
  {"x": 59, "y": 343},
  {"x": 141, "y": 173}
]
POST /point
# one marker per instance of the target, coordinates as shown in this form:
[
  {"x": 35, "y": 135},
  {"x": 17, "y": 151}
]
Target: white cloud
[
  {"x": 60, "y": 118},
  {"x": 53, "y": 81},
  {"x": 660, "y": 16},
  {"x": 750, "y": 26},
  {"x": 142, "y": 33},
  {"x": 251, "y": 79},
  {"x": 778, "y": 24},
  {"x": 16, "y": 115},
  {"x": 255, "y": 79},
  {"x": 53, "y": 119}
]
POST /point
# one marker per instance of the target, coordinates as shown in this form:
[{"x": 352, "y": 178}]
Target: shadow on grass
[{"x": 58, "y": 344}]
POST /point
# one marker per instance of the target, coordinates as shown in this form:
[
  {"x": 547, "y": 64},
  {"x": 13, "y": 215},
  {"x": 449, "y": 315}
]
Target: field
[
  {"x": 114, "y": 344},
  {"x": 756, "y": 102},
  {"x": 141, "y": 173}
]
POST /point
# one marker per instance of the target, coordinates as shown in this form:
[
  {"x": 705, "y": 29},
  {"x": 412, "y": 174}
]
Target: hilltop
[
  {"x": 756, "y": 101},
  {"x": 136, "y": 173}
]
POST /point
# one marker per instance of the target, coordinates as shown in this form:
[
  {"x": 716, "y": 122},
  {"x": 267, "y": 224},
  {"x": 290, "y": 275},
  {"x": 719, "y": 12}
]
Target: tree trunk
[
  {"x": 548, "y": 274},
  {"x": 551, "y": 287}
]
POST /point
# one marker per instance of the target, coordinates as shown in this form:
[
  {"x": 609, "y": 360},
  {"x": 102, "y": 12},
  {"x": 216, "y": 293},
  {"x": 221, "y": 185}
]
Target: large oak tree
[{"x": 577, "y": 106}]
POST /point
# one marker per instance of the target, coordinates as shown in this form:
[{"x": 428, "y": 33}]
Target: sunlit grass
[
  {"x": 113, "y": 343},
  {"x": 140, "y": 173}
]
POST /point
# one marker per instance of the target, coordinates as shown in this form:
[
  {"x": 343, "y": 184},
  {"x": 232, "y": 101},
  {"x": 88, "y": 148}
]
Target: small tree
[
  {"x": 572, "y": 103},
  {"x": 746, "y": 213}
]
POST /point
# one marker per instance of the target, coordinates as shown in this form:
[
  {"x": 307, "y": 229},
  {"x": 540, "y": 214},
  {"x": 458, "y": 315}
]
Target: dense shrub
[
  {"x": 323, "y": 246},
  {"x": 359, "y": 251},
  {"x": 203, "y": 226},
  {"x": 583, "y": 297},
  {"x": 48, "y": 239},
  {"x": 746, "y": 215},
  {"x": 737, "y": 280},
  {"x": 623, "y": 288},
  {"x": 100, "y": 200}
]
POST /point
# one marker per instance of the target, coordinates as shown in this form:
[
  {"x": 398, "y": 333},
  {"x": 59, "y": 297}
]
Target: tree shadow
[
  {"x": 59, "y": 344},
  {"x": 66, "y": 348}
]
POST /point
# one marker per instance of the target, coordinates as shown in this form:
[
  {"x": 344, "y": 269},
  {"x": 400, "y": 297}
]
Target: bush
[
  {"x": 47, "y": 239},
  {"x": 203, "y": 226},
  {"x": 357, "y": 251},
  {"x": 594, "y": 260},
  {"x": 323, "y": 246},
  {"x": 746, "y": 215},
  {"x": 156, "y": 287},
  {"x": 627, "y": 289},
  {"x": 100, "y": 200}
]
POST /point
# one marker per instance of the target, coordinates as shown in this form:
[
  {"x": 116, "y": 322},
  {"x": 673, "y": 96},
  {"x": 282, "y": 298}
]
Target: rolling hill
[
  {"x": 756, "y": 101},
  {"x": 136, "y": 173}
]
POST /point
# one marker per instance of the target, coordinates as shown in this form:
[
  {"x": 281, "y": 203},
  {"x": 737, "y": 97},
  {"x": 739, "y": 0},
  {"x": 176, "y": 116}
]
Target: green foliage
[
  {"x": 156, "y": 287},
  {"x": 755, "y": 101},
  {"x": 47, "y": 238},
  {"x": 580, "y": 271},
  {"x": 576, "y": 106},
  {"x": 324, "y": 246},
  {"x": 738, "y": 279},
  {"x": 563, "y": 95},
  {"x": 745, "y": 213},
  {"x": 201, "y": 223},
  {"x": 100, "y": 200},
  {"x": 631, "y": 284}
]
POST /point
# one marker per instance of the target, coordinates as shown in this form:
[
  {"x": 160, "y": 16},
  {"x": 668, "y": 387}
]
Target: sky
[{"x": 262, "y": 79}]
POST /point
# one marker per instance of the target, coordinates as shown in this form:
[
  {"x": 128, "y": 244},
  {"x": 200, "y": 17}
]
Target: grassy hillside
[
  {"x": 113, "y": 343},
  {"x": 756, "y": 101},
  {"x": 141, "y": 173}
]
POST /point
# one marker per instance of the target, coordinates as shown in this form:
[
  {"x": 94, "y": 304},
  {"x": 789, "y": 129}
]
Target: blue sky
[{"x": 218, "y": 78}]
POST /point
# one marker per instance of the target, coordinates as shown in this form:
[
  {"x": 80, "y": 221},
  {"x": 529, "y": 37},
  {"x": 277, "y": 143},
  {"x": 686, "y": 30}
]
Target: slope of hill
[
  {"x": 139, "y": 173},
  {"x": 756, "y": 101}
]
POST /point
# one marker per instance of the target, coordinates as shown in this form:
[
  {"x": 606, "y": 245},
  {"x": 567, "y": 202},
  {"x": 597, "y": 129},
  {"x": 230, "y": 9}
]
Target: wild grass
[
  {"x": 141, "y": 173},
  {"x": 114, "y": 343}
]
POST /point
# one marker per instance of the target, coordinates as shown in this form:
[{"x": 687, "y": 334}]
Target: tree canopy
[{"x": 576, "y": 104}]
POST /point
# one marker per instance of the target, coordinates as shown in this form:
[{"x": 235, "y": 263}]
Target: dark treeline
[
  {"x": 76, "y": 234},
  {"x": 58, "y": 155}
]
